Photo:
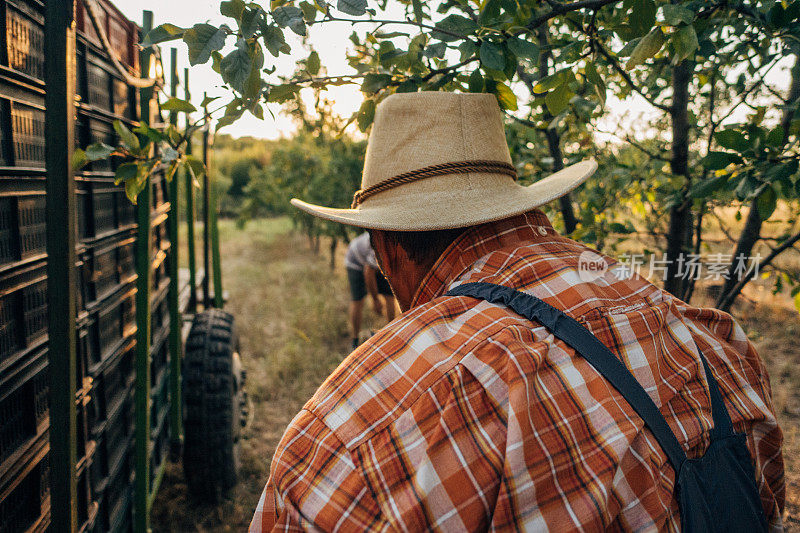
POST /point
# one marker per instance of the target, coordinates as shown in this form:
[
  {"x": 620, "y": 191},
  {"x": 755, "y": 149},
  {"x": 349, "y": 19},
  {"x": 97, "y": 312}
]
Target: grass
[{"x": 291, "y": 314}]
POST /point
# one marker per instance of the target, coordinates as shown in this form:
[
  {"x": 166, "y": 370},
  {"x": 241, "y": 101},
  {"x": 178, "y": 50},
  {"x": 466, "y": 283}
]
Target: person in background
[{"x": 365, "y": 277}]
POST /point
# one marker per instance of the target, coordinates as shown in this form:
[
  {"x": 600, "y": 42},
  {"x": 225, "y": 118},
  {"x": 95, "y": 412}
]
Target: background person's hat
[{"x": 438, "y": 160}]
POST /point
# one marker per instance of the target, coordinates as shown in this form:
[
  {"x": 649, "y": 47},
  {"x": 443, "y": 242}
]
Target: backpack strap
[{"x": 575, "y": 335}]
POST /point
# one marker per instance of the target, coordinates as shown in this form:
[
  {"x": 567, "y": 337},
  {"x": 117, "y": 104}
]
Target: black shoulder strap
[{"x": 596, "y": 353}]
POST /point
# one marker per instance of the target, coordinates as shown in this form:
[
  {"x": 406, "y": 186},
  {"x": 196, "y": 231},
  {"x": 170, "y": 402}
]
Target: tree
[{"x": 696, "y": 62}]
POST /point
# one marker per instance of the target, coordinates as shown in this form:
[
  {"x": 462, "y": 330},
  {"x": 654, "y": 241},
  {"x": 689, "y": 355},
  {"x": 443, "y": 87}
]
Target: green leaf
[
  {"x": 366, "y": 114},
  {"x": 775, "y": 137},
  {"x": 436, "y": 50},
  {"x": 236, "y": 66},
  {"x": 643, "y": 16},
  {"x": 505, "y": 96},
  {"x": 281, "y": 93},
  {"x": 675, "y": 14},
  {"x": 408, "y": 86},
  {"x": 373, "y": 82},
  {"x": 313, "y": 63},
  {"x": 79, "y": 159},
  {"x": 647, "y": 48},
  {"x": 309, "y": 11},
  {"x": 133, "y": 187},
  {"x": 232, "y": 8},
  {"x": 548, "y": 82},
  {"x": 290, "y": 17},
  {"x": 161, "y": 34},
  {"x": 125, "y": 172},
  {"x": 352, "y": 7},
  {"x": 720, "y": 160},
  {"x": 732, "y": 140},
  {"x": 618, "y": 227},
  {"x": 153, "y": 134},
  {"x": 475, "y": 83},
  {"x": 492, "y": 56},
  {"x": 456, "y": 28},
  {"x": 558, "y": 99},
  {"x": 273, "y": 39},
  {"x": 766, "y": 203},
  {"x": 251, "y": 20},
  {"x": 707, "y": 187},
  {"x": 176, "y": 104},
  {"x": 128, "y": 138},
  {"x": 684, "y": 41},
  {"x": 490, "y": 13},
  {"x": 169, "y": 154},
  {"x": 202, "y": 39},
  {"x": 194, "y": 165},
  {"x": 216, "y": 59},
  {"x": 417, "y": 10},
  {"x": 467, "y": 49},
  {"x": 523, "y": 48}
]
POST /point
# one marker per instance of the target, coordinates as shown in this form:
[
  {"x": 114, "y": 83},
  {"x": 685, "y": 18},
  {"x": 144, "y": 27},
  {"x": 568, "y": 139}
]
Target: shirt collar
[{"x": 477, "y": 242}]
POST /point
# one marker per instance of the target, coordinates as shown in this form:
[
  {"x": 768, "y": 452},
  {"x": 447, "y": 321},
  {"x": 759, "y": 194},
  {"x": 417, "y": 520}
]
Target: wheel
[{"x": 215, "y": 405}]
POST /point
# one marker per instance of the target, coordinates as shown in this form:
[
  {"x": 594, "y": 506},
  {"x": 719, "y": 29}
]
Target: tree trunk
[
  {"x": 334, "y": 243},
  {"x": 752, "y": 228},
  {"x": 553, "y": 138},
  {"x": 679, "y": 215}
]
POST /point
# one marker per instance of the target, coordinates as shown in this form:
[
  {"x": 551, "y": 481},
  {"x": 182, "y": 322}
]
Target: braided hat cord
[{"x": 458, "y": 167}]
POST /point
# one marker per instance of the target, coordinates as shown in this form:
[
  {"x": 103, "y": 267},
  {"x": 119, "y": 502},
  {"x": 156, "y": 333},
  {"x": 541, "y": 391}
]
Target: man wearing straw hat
[{"x": 529, "y": 385}]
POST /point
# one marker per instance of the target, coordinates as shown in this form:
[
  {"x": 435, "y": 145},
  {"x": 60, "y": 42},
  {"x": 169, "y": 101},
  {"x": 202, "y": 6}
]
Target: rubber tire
[{"x": 212, "y": 389}]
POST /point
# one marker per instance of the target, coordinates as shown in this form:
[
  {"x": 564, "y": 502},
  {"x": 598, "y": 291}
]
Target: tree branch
[
  {"x": 726, "y": 303},
  {"x": 561, "y": 9},
  {"x": 625, "y": 76}
]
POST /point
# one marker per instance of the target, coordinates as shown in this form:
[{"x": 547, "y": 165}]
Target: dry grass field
[{"x": 291, "y": 314}]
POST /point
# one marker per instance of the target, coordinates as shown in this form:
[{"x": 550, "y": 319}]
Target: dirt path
[{"x": 290, "y": 310}]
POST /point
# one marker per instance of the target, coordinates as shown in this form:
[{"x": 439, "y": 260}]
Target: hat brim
[{"x": 398, "y": 210}]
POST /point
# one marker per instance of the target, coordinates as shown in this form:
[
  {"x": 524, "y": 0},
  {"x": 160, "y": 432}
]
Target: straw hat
[{"x": 438, "y": 160}]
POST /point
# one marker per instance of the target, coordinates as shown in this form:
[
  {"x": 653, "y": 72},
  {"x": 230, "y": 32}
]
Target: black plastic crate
[
  {"x": 23, "y": 311},
  {"x": 106, "y": 266},
  {"x": 111, "y": 386},
  {"x": 115, "y": 495},
  {"x": 113, "y": 455},
  {"x": 25, "y": 38},
  {"x": 23, "y": 233},
  {"x": 98, "y": 84},
  {"x": 159, "y": 354},
  {"x": 26, "y": 504},
  {"x": 124, "y": 99},
  {"x": 23, "y": 415},
  {"x": 111, "y": 324},
  {"x": 101, "y": 131},
  {"x": 27, "y": 134},
  {"x": 103, "y": 209}
]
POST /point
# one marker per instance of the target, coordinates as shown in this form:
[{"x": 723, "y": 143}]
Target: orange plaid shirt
[{"x": 463, "y": 416}]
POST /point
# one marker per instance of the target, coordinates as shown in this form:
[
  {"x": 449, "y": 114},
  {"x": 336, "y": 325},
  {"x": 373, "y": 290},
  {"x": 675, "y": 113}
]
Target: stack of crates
[{"x": 106, "y": 230}]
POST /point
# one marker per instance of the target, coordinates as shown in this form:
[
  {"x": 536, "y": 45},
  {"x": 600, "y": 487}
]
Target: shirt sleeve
[{"x": 314, "y": 484}]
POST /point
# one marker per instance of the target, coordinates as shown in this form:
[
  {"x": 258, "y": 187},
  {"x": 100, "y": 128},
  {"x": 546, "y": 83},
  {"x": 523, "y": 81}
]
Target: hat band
[{"x": 458, "y": 167}]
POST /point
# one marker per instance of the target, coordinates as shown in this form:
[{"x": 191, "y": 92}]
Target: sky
[{"x": 331, "y": 41}]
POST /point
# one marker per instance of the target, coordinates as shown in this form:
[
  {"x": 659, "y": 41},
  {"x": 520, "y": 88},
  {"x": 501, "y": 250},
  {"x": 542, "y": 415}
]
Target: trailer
[{"x": 113, "y": 360}]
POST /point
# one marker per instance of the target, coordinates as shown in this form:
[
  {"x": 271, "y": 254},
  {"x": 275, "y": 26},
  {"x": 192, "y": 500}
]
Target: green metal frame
[
  {"x": 141, "y": 500},
  {"x": 175, "y": 320},
  {"x": 206, "y": 214},
  {"x": 190, "y": 211},
  {"x": 59, "y": 46}
]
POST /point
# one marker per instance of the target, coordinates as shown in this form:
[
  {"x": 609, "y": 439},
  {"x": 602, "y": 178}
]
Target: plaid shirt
[{"x": 463, "y": 416}]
